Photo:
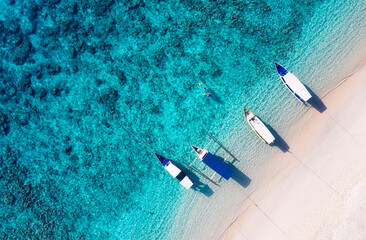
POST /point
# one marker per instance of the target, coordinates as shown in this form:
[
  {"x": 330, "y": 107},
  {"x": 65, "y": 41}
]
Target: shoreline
[{"x": 309, "y": 197}]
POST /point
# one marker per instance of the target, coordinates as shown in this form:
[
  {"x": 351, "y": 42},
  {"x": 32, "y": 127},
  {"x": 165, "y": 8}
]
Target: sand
[{"x": 320, "y": 192}]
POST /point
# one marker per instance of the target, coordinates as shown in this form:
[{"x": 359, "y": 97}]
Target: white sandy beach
[{"x": 319, "y": 194}]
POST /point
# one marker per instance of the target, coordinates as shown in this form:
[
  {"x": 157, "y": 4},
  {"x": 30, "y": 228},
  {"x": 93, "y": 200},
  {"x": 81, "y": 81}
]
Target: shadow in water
[
  {"x": 279, "y": 141},
  {"x": 315, "y": 101},
  {"x": 215, "y": 97},
  {"x": 198, "y": 185},
  {"x": 239, "y": 177}
]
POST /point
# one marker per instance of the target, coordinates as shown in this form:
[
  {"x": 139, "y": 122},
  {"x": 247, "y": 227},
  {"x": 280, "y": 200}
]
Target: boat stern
[
  {"x": 270, "y": 139},
  {"x": 186, "y": 182}
]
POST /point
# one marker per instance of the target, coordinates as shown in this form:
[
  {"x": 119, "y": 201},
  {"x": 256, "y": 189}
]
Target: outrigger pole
[
  {"x": 222, "y": 147},
  {"x": 199, "y": 173},
  {"x": 143, "y": 143}
]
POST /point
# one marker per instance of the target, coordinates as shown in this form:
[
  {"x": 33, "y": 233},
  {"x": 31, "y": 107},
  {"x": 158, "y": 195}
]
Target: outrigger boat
[
  {"x": 175, "y": 171},
  {"x": 214, "y": 163},
  {"x": 258, "y": 126},
  {"x": 293, "y": 84},
  {"x": 206, "y": 91}
]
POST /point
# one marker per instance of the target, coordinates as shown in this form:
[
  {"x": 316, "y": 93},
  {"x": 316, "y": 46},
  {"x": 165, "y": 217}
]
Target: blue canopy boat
[
  {"x": 214, "y": 163},
  {"x": 175, "y": 171}
]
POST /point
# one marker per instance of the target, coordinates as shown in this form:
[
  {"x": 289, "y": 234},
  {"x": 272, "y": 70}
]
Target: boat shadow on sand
[{"x": 315, "y": 101}]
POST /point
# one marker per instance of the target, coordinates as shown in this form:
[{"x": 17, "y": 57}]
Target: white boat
[
  {"x": 175, "y": 171},
  {"x": 293, "y": 84},
  {"x": 258, "y": 126}
]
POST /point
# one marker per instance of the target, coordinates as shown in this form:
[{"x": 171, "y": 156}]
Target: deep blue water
[{"x": 75, "y": 74}]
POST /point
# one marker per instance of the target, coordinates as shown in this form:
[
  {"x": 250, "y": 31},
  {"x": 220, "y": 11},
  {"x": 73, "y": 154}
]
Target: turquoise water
[{"x": 74, "y": 75}]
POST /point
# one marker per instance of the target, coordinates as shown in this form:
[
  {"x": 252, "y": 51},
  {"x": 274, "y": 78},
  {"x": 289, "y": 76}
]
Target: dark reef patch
[
  {"x": 100, "y": 8},
  {"x": 49, "y": 3},
  {"x": 21, "y": 117},
  {"x": 21, "y": 51},
  {"x": 7, "y": 198},
  {"x": 4, "y": 124}
]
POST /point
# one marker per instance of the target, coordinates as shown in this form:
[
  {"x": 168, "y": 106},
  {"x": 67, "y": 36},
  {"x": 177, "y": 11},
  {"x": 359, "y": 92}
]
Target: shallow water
[{"x": 74, "y": 75}]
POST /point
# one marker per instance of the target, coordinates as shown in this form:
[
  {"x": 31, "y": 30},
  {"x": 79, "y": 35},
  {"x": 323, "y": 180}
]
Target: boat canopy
[{"x": 218, "y": 166}]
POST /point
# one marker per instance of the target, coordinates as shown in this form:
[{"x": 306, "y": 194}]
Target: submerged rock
[
  {"x": 121, "y": 77},
  {"x": 7, "y": 198},
  {"x": 133, "y": 4},
  {"x": 30, "y": 10},
  {"x": 101, "y": 8},
  {"x": 21, "y": 52},
  {"x": 72, "y": 53},
  {"x": 22, "y": 118},
  {"x": 25, "y": 189},
  {"x": 4, "y": 124},
  {"x": 30, "y": 91},
  {"x": 55, "y": 91},
  {"x": 24, "y": 82},
  {"x": 53, "y": 69},
  {"x": 214, "y": 70},
  {"x": 38, "y": 72},
  {"x": 68, "y": 150},
  {"x": 49, "y": 3},
  {"x": 109, "y": 97},
  {"x": 41, "y": 93},
  {"x": 105, "y": 123},
  {"x": 10, "y": 2},
  {"x": 99, "y": 81},
  {"x": 26, "y": 202},
  {"x": 74, "y": 69},
  {"x": 11, "y": 91}
]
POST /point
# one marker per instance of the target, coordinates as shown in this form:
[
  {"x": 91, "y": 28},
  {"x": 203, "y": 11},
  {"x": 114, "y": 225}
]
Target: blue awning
[{"x": 218, "y": 166}]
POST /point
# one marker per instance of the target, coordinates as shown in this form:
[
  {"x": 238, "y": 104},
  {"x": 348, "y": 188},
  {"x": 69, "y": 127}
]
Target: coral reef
[{"x": 73, "y": 72}]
